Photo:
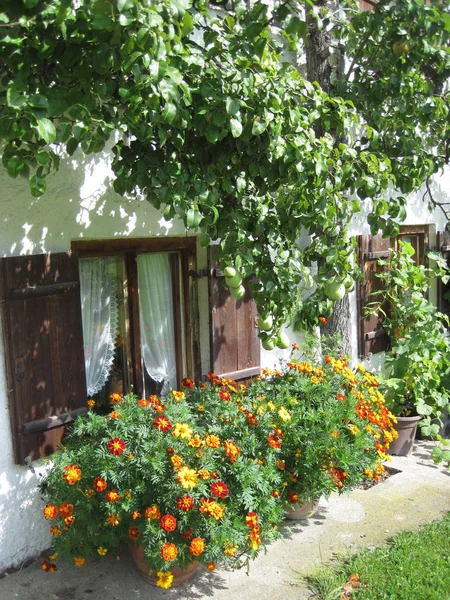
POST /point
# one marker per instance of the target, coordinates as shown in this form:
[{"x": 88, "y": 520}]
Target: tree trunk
[{"x": 319, "y": 67}]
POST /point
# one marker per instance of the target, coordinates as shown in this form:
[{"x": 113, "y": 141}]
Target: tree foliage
[{"x": 218, "y": 126}]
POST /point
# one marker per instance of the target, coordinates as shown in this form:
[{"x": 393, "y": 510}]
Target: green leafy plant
[{"x": 417, "y": 374}]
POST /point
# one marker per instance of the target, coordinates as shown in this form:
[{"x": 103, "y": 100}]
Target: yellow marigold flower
[
  {"x": 187, "y": 477},
  {"x": 271, "y": 405},
  {"x": 298, "y": 453},
  {"x": 203, "y": 474},
  {"x": 79, "y": 561},
  {"x": 130, "y": 456},
  {"x": 200, "y": 408},
  {"x": 230, "y": 550},
  {"x": 353, "y": 429},
  {"x": 178, "y": 395},
  {"x": 314, "y": 379},
  {"x": 260, "y": 410},
  {"x": 284, "y": 414},
  {"x": 89, "y": 492},
  {"x": 113, "y": 520},
  {"x": 102, "y": 551},
  {"x": 91, "y": 403},
  {"x": 212, "y": 441},
  {"x": 177, "y": 461},
  {"x": 164, "y": 580},
  {"x": 369, "y": 428},
  {"x": 53, "y": 557},
  {"x": 183, "y": 431},
  {"x": 196, "y": 441}
]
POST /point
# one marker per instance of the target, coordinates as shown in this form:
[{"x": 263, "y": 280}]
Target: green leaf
[
  {"x": 124, "y": 5},
  {"x": 37, "y": 185},
  {"x": 30, "y": 3},
  {"x": 38, "y": 100},
  {"x": 14, "y": 98},
  {"x": 169, "y": 113},
  {"x": 212, "y": 134},
  {"x": 236, "y": 128},
  {"x": 71, "y": 146},
  {"x": 258, "y": 126},
  {"x": 188, "y": 24},
  {"x": 205, "y": 240},
  {"x": 233, "y": 106},
  {"x": 46, "y": 130},
  {"x": 15, "y": 166}
]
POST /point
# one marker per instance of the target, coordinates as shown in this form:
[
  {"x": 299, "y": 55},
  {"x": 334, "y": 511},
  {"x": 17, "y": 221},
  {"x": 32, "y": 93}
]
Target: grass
[{"x": 415, "y": 565}]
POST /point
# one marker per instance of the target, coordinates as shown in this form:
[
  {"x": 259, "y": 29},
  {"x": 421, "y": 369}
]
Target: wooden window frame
[{"x": 129, "y": 249}]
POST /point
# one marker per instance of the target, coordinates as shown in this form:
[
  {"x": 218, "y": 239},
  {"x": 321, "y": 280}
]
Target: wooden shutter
[
  {"x": 371, "y": 335},
  {"x": 365, "y": 6},
  {"x": 44, "y": 349},
  {"x": 235, "y": 345}
]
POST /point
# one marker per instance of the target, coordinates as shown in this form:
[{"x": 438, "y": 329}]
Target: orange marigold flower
[
  {"x": 133, "y": 532},
  {"x": 135, "y": 515},
  {"x": 185, "y": 503},
  {"x": 293, "y": 498},
  {"x": 214, "y": 475},
  {"x": 168, "y": 523},
  {"x": 230, "y": 550},
  {"x": 187, "y": 383},
  {"x": 274, "y": 441},
  {"x": 211, "y": 566},
  {"x": 91, "y": 403},
  {"x": 232, "y": 451},
  {"x": 115, "y": 398},
  {"x": 152, "y": 513},
  {"x": 323, "y": 320},
  {"x": 55, "y": 530},
  {"x": 143, "y": 403},
  {"x": 224, "y": 395},
  {"x": 178, "y": 395},
  {"x": 275, "y": 493},
  {"x": 69, "y": 521},
  {"x": 295, "y": 347},
  {"x": 114, "y": 414},
  {"x": 169, "y": 551},
  {"x": 79, "y": 561},
  {"x": 197, "y": 546},
  {"x": 162, "y": 423},
  {"x": 219, "y": 489},
  {"x": 212, "y": 441},
  {"x": 50, "y": 511},
  {"x": 196, "y": 441},
  {"x": 280, "y": 464},
  {"x": 211, "y": 508},
  {"x": 48, "y": 566},
  {"x": 66, "y": 510},
  {"x": 177, "y": 461},
  {"x": 72, "y": 474},
  {"x": 99, "y": 484},
  {"x": 113, "y": 520},
  {"x": 112, "y": 496},
  {"x": 116, "y": 446},
  {"x": 203, "y": 474}
]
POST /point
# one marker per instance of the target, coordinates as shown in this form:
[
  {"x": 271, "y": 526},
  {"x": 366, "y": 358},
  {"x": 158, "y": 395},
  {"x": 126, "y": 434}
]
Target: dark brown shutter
[
  {"x": 235, "y": 345},
  {"x": 365, "y": 6},
  {"x": 371, "y": 335},
  {"x": 44, "y": 349}
]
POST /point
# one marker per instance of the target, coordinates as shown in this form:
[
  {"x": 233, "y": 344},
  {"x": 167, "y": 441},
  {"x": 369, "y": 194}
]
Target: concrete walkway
[{"x": 418, "y": 494}]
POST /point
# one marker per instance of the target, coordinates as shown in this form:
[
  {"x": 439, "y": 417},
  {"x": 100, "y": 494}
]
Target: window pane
[
  {"x": 157, "y": 323},
  {"x": 104, "y": 321}
]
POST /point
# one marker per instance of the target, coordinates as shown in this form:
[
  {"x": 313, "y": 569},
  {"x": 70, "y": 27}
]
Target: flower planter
[
  {"x": 406, "y": 429},
  {"x": 297, "y": 512},
  {"x": 180, "y": 576}
]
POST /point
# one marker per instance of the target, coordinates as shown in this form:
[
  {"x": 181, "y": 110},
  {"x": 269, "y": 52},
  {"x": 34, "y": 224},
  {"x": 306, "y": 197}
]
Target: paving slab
[{"x": 419, "y": 493}]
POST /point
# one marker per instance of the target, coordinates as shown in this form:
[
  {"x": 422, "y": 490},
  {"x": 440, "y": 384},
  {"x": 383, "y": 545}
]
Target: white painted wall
[{"x": 81, "y": 204}]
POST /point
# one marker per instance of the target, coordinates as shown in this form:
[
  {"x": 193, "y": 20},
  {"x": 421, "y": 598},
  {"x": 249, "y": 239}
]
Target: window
[{"x": 371, "y": 335}]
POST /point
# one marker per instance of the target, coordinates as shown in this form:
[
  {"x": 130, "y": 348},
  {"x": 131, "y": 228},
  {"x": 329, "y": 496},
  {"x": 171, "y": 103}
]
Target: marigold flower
[
  {"x": 275, "y": 493},
  {"x": 91, "y": 403},
  {"x": 203, "y": 474},
  {"x": 340, "y": 397},
  {"x": 219, "y": 489},
  {"x": 116, "y": 446},
  {"x": 293, "y": 498},
  {"x": 230, "y": 550},
  {"x": 255, "y": 539},
  {"x": 89, "y": 492},
  {"x": 168, "y": 523},
  {"x": 69, "y": 521},
  {"x": 55, "y": 530},
  {"x": 200, "y": 408},
  {"x": 212, "y": 441},
  {"x": 197, "y": 546},
  {"x": 48, "y": 566},
  {"x": 50, "y": 511},
  {"x": 102, "y": 551},
  {"x": 183, "y": 431},
  {"x": 188, "y": 533},
  {"x": 295, "y": 347},
  {"x": 114, "y": 414},
  {"x": 187, "y": 383},
  {"x": 323, "y": 320},
  {"x": 185, "y": 503},
  {"x": 99, "y": 484},
  {"x": 133, "y": 532},
  {"x": 177, "y": 461},
  {"x": 79, "y": 561},
  {"x": 178, "y": 395},
  {"x": 135, "y": 515},
  {"x": 284, "y": 414},
  {"x": 143, "y": 403},
  {"x": 274, "y": 441},
  {"x": 66, "y": 510},
  {"x": 224, "y": 395},
  {"x": 113, "y": 520},
  {"x": 187, "y": 477},
  {"x": 152, "y": 513},
  {"x": 231, "y": 450},
  {"x": 53, "y": 557},
  {"x": 211, "y": 566},
  {"x": 72, "y": 474},
  {"x": 115, "y": 398},
  {"x": 112, "y": 496},
  {"x": 169, "y": 551},
  {"x": 211, "y": 508},
  {"x": 164, "y": 580}
]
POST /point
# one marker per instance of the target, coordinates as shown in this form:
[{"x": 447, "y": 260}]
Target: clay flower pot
[
  {"x": 297, "y": 512},
  {"x": 180, "y": 576},
  {"x": 406, "y": 428}
]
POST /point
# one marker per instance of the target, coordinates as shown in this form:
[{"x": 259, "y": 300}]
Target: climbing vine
[{"x": 215, "y": 124}]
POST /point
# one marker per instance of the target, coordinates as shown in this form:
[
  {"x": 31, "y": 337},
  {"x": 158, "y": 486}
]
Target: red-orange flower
[
  {"x": 113, "y": 520},
  {"x": 162, "y": 423},
  {"x": 133, "y": 532},
  {"x": 185, "y": 503},
  {"x": 72, "y": 474},
  {"x": 219, "y": 489},
  {"x": 152, "y": 513},
  {"x": 48, "y": 566},
  {"x": 323, "y": 320},
  {"x": 50, "y": 511},
  {"x": 116, "y": 446},
  {"x": 143, "y": 403},
  {"x": 135, "y": 515},
  {"x": 232, "y": 451},
  {"x": 224, "y": 395},
  {"x": 115, "y": 398},
  {"x": 293, "y": 498},
  {"x": 66, "y": 510},
  {"x": 55, "y": 530},
  {"x": 168, "y": 523},
  {"x": 187, "y": 383},
  {"x": 99, "y": 484},
  {"x": 274, "y": 441},
  {"x": 68, "y": 521},
  {"x": 114, "y": 414},
  {"x": 212, "y": 441},
  {"x": 252, "y": 519},
  {"x": 169, "y": 551},
  {"x": 197, "y": 546},
  {"x": 112, "y": 496}
]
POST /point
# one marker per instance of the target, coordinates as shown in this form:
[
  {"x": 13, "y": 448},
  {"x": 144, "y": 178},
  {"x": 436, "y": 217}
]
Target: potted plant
[
  {"x": 417, "y": 366},
  {"x": 330, "y": 426},
  {"x": 177, "y": 479}
]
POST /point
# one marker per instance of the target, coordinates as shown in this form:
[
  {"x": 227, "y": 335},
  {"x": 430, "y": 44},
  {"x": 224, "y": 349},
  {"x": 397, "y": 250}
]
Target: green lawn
[{"x": 415, "y": 565}]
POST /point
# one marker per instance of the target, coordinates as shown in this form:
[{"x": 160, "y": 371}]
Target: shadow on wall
[{"x": 79, "y": 202}]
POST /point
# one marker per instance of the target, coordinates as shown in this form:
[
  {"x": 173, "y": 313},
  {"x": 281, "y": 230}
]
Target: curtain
[
  {"x": 99, "y": 310},
  {"x": 157, "y": 318}
]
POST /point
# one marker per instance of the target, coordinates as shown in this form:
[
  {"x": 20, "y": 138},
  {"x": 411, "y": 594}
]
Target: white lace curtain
[
  {"x": 157, "y": 318},
  {"x": 100, "y": 319}
]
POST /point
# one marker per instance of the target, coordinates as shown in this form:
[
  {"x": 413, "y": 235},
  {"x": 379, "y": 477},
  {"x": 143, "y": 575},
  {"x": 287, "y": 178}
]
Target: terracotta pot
[
  {"x": 406, "y": 429},
  {"x": 180, "y": 576},
  {"x": 297, "y": 512}
]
